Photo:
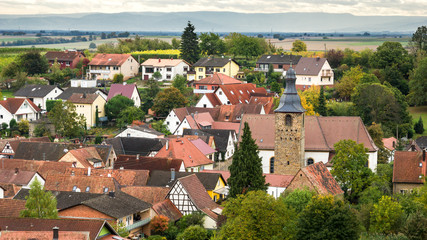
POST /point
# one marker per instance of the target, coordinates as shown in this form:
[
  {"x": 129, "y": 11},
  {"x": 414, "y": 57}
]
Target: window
[
  {"x": 200, "y": 69},
  {"x": 288, "y": 120},
  {"x": 200, "y": 77},
  {"x": 309, "y": 79},
  {"x": 185, "y": 69},
  {"x": 223, "y": 70},
  {"x": 168, "y": 76},
  {"x": 105, "y": 190},
  {"x": 74, "y": 188},
  {"x": 107, "y": 68},
  {"x": 1, "y": 116},
  {"x": 310, "y": 161},
  {"x": 149, "y": 70},
  {"x": 168, "y": 69},
  {"x": 115, "y": 68},
  {"x": 167, "y": 123},
  {"x": 280, "y": 66},
  {"x": 272, "y": 165},
  {"x": 128, "y": 219},
  {"x": 218, "y": 70},
  {"x": 204, "y": 105},
  {"x": 87, "y": 189},
  {"x": 220, "y": 92},
  {"x": 215, "y": 198}
]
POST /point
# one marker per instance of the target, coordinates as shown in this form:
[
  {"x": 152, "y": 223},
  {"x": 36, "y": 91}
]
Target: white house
[
  {"x": 105, "y": 66},
  {"x": 313, "y": 71},
  {"x": 39, "y": 94},
  {"x": 18, "y": 109},
  {"x": 128, "y": 90},
  {"x": 321, "y": 133},
  {"x": 177, "y": 115},
  {"x": 84, "y": 83},
  {"x": 168, "y": 68},
  {"x": 140, "y": 131}
]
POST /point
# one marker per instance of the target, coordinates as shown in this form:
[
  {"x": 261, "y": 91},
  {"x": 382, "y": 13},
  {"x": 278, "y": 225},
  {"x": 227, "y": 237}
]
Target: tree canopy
[
  {"x": 167, "y": 100},
  {"x": 130, "y": 114},
  {"x": 211, "y": 44},
  {"x": 117, "y": 104},
  {"x": 39, "y": 203},
  {"x": 246, "y": 167},
  {"x": 419, "y": 39},
  {"x": 418, "y": 84},
  {"x": 33, "y": 63},
  {"x": 66, "y": 121},
  {"x": 299, "y": 46}
]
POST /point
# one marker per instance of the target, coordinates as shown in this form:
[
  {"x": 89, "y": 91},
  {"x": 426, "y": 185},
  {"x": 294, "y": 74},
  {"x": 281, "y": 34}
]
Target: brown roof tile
[
  {"x": 124, "y": 177},
  {"x": 10, "y": 189},
  {"x": 44, "y": 168},
  {"x": 147, "y": 163},
  {"x": 309, "y": 66},
  {"x": 23, "y": 235},
  {"x": 63, "y": 56},
  {"x": 277, "y": 180},
  {"x": 148, "y": 194},
  {"x": 390, "y": 143},
  {"x": 197, "y": 192},
  {"x": 16, "y": 176},
  {"x": 102, "y": 59},
  {"x": 67, "y": 183},
  {"x": 408, "y": 167},
  {"x": 266, "y": 102},
  {"x": 166, "y": 208},
  {"x": 240, "y": 93},
  {"x": 11, "y": 207},
  {"x": 322, "y": 179},
  {"x": 82, "y": 98},
  {"x": 83, "y": 155},
  {"x": 12, "y": 104},
  {"x": 182, "y": 148},
  {"x": 213, "y": 99},
  {"x": 218, "y": 79}
]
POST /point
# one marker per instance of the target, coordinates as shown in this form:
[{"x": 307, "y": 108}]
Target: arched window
[
  {"x": 310, "y": 161},
  {"x": 272, "y": 165},
  {"x": 288, "y": 120}
]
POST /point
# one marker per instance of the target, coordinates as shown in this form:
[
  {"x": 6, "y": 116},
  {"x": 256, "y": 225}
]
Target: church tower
[{"x": 289, "y": 138}]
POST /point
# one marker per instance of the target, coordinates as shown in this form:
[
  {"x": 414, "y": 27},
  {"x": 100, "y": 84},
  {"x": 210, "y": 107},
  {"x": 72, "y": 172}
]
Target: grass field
[
  {"x": 7, "y": 94},
  {"x": 416, "y": 112}
]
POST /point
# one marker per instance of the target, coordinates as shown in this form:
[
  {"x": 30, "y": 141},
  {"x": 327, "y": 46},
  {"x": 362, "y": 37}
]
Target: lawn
[
  {"x": 7, "y": 94},
  {"x": 416, "y": 112}
]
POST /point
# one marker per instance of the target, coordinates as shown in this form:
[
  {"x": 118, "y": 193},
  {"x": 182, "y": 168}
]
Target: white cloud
[{"x": 356, "y": 7}]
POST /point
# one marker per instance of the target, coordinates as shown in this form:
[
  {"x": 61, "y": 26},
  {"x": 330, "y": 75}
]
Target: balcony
[
  {"x": 99, "y": 71},
  {"x": 138, "y": 224},
  {"x": 203, "y": 91},
  {"x": 261, "y": 69}
]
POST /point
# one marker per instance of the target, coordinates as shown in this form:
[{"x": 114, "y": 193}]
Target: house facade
[
  {"x": 313, "y": 71},
  {"x": 280, "y": 63},
  {"x": 168, "y": 68},
  {"x": 87, "y": 105},
  {"x": 84, "y": 83},
  {"x": 105, "y": 66},
  {"x": 65, "y": 59},
  {"x": 39, "y": 94},
  {"x": 18, "y": 109},
  {"x": 207, "y": 66},
  {"x": 140, "y": 131}
]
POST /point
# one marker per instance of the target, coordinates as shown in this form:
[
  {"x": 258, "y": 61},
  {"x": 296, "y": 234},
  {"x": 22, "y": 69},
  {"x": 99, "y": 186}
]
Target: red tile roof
[
  {"x": 218, "y": 79},
  {"x": 213, "y": 99},
  {"x": 63, "y": 235},
  {"x": 13, "y": 104},
  {"x": 83, "y": 98},
  {"x": 63, "y": 56},
  {"x": 225, "y": 174},
  {"x": 148, "y": 194},
  {"x": 408, "y": 167},
  {"x": 321, "y": 179},
  {"x": 226, "y": 126},
  {"x": 321, "y": 133},
  {"x": 203, "y": 147},
  {"x": 84, "y": 154},
  {"x": 277, "y": 180},
  {"x": 121, "y": 89},
  {"x": 102, "y": 59},
  {"x": 125, "y": 177},
  {"x": 166, "y": 208},
  {"x": 266, "y": 102},
  {"x": 67, "y": 183},
  {"x": 10, "y": 189},
  {"x": 390, "y": 143},
  {"x": 197, "y": 192},
  {"x": 147, "y": 163},
  {"x": 16, "y": 176},
  {"x": 42, "y": 167},
  {"x": 11, "y": 207},
  {"x": 182, "y": 148},
  {"x": 240, "y": 93}
]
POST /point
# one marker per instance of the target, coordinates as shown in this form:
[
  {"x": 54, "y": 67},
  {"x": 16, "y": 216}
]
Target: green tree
[
  {"x": 129, "y": 115},
  {"x": 256, "y": 215},
  {"x": 275, "y": 87},
  {"x": 387, "y": 216},
  {"x": 392, "y": 54},
  {"x": 189, "y": 44},
  {"x": 211, "y": 44},
  {"x": 299, "y": 46},
  {"x": 13, "y": 125},
  {"x": 10, "y": 70},
  {"x": 97, "y": 116},
  {"x": 415, "y": 226},
  {"x": 377, "y": 134},
  {"x": 92, "y": 45},
  {"x": 246, "y": 167},
  {"x": 419, "y": 39},
  {"x": 118, "y": 78},
  {"x": 24, "y": 126},
  {"x": 98, "y": 139},
  {"x": 321, "y": 107},
  {"x": 55, "y": 75},
  {"x": 334, "y": 57},
  {"x": 194, "y": 232},
  {"x": 326, "y": 218},
  {"x": 66, "y": 121},
  {"x": 160, "y": 126},
  {"x": 51, "y": 103},
  {"x": 32, "y": 63},
  {"x": 180, "y": 83},
  {"x": 176, "y": 43},
  {"x": 381, "y": 185},
  {"x": 41, "y": 130},
  {"x": 167, "y": 100},
  {"x": 298, "y": 198},
  {"x": 157, "y": 75},
  {"x": 148, "y": 94},
  {"x": 39, "y": 203},
  {"x": 116, "y": 104},
  {"x": 350, "y": 168},
  {"x": 346, "y": 86},
  {"x": 419, "y": 126},
  {"x": 418, "y": 84},
  {"x": 239, "y": 44},
  {"x": 120, "y": 229}
]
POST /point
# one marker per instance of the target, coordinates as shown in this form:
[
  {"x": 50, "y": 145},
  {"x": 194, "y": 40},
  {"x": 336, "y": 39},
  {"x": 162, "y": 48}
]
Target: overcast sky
[{"x": 356, "y": 7}]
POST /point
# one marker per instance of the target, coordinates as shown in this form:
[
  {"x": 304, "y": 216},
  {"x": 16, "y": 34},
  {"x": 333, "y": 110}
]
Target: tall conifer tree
[
  {"x": 246, "y": 168},
  {"x": 189, "y": 45},
  {"x": 321, "y": 109}
]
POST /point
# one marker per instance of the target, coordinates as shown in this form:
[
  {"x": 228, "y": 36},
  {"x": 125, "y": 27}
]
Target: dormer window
[
  {"x": 87, "y": 189},
  {"x": 105, "y": 190},
  {"x": 74, "y": 188}
]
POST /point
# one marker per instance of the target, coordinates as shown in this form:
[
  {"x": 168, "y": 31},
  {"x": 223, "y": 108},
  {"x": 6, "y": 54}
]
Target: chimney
[
  {"x": 84, "y": 95},
  {"x": 55, "y": 233},
  {"x": 160, "y": 60},
  {"x": 172, "y": 174},
  {"x": 88, "y": 171},
  {"x": 137, "y": 156},
  {"x": 16, "y": 171},
  {"x": 167, "y": 144},
  {"x": 111, "y": 194}
]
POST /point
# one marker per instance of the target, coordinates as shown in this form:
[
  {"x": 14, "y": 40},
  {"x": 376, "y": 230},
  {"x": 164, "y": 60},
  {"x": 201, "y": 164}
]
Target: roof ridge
[{"x": 323, "y": 134}]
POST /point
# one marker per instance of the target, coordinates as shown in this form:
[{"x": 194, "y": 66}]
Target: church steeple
[{"x": 289, "y": 141}]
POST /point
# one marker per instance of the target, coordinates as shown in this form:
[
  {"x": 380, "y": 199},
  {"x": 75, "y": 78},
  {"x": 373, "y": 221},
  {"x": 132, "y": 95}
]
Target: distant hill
[{"x": 214, "y": 21}]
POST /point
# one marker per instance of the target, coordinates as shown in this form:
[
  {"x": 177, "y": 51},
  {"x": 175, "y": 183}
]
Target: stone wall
[{"x": 289, "y": 143}]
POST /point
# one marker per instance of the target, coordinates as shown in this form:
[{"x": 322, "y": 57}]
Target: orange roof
[
  {"x": 197, "y": 192},
  {"x": 148, "y": 194},
  {"x": 11, "y": 207},
  {"x": 226, "y": 126},
  {"x": 267, "y": 102},
  {"x": 184, "y": 149},
  {"x": 84, "y": 154},
  {"x": 125, "y": 177},
  {"x": 218, "y": 79},
  {"x": 102, "y": 59},
  {"x": 390, "y": 143},
  {"x": 277, "y": 180},
  {"x": 240, "y": 93},
  {"x": 63, "y": 235},
  {"x": 67, "y": 183},
  {"x": 409, "y": 166},
  {"x": 157, "y": 62},
  {"x": 166, "y": 208},
  {"x": 83, "y": 98},
  {"x": 12, "y": 104},
  {"x": 321, "y": 179},
  {"x": 213, "y": 99}
]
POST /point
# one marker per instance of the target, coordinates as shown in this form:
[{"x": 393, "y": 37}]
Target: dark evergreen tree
[
  {"x": 246, "y": 167},
  {"x": 419, "y": 126},
  {"x": 189, "y": 45},
  {"x": 321, "y": 108}
]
